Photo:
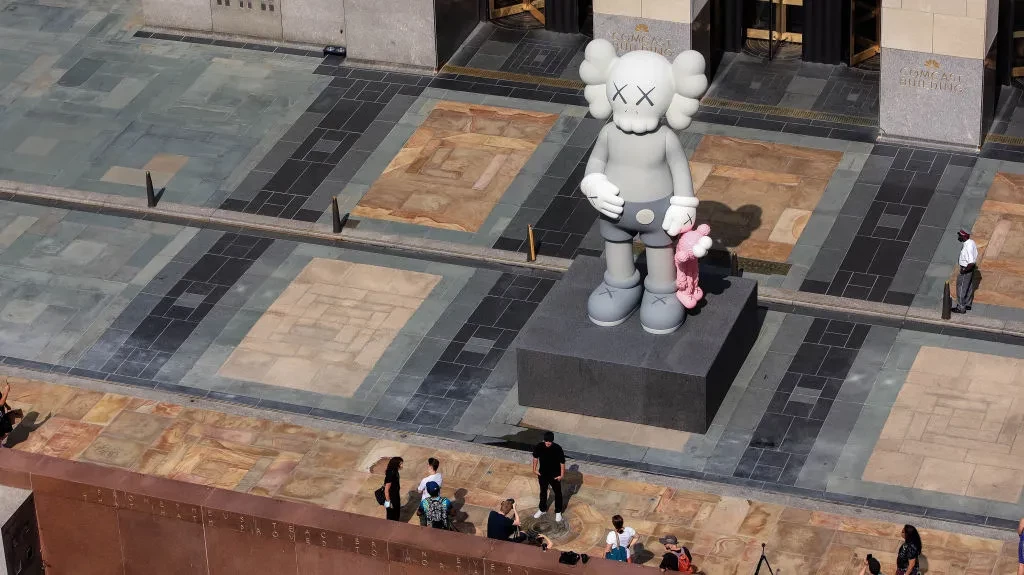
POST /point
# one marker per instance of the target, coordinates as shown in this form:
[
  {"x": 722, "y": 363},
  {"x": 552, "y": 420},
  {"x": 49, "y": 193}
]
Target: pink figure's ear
[{"x": 703, "y": 229}]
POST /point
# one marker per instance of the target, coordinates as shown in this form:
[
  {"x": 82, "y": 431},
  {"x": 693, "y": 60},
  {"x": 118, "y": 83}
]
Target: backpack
[
  {"x": 437, "y": 512},
  {"x": 618, "y": 553}
]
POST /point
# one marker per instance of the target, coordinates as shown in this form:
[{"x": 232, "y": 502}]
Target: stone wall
[
  {"x": 662, "y": 26},
  {"x": 933, "y": 58},
  {"x": 317, "y": 22},
  {"x": 95, "y": 520}
]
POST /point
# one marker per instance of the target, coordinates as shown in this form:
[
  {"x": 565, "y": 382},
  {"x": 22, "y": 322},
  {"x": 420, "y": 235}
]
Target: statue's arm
[
  {"x": 678, "y": 165},
  {"x": 599, "y": 156}
]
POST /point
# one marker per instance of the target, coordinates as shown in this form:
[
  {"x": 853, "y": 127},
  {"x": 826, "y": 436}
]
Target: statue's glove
[
  {"x": 702, "y": 244},
  {"x": 603, "y": 195},
  {"x": 681, "y": 215}
]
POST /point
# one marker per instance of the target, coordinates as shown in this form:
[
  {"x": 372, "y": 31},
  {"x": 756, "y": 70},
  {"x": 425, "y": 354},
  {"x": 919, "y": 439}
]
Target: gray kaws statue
[{"x": 639, "y": 179}]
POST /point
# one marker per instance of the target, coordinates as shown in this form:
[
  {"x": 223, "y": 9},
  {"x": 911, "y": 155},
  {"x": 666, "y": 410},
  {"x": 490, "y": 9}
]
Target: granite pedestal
[{"x": 677, "y": 381}]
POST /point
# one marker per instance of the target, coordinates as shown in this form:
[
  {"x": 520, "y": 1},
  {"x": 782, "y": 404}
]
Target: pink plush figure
[{"x": 691, "y": 245}]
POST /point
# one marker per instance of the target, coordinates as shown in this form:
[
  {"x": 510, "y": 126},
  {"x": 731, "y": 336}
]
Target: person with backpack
[
  {"x": 432, "y": 475},
  {"x": 620, "y": 540},
  {"x": 437, "y": 510},
  {"x": 677, "y": 557}
]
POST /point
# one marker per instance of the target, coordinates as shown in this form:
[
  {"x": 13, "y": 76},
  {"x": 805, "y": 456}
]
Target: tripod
[{"x": 763, "y": 559}]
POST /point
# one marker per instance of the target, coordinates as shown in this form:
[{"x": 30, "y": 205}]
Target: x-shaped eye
[
  {"x": 646, "y": 95},
  {"x": 618, "y": 93}
]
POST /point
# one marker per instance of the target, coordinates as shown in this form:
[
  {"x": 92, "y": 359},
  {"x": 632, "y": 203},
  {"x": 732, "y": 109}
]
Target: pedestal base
[{"x": 677, "y": 381}]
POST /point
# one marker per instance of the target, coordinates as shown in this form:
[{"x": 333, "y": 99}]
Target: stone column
[
  {"x": 934, "y": 84},
  {"x": 667, "y": 27}
]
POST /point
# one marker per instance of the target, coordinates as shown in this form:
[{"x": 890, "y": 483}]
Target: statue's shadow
[{"x": 729, "y": 227}]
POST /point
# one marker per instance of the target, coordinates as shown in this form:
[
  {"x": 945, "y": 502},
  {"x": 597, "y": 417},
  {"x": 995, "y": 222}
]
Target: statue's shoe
[
  {"x": 661, "y": 313},
  {"x": 610, "y": 305}
]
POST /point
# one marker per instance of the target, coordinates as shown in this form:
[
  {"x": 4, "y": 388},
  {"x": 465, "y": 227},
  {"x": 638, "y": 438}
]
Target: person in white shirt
[
  {"x": 621, "y": 536},
  {"x": 432, "y": 475},
  {"x": 965, "y": 279}
]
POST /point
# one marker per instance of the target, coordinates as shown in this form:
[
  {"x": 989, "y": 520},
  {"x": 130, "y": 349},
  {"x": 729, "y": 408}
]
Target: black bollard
[
  {"x": 734, "y": 264},
  {"x": 337, "y": 219},
  {"x": 150, "y": 195},
  {"x": 947, "y": 302}
]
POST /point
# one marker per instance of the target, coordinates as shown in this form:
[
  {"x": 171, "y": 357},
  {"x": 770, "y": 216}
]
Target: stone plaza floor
[
  {"x": 866, "y": 407},
  {"x": 339, "y": 469}
]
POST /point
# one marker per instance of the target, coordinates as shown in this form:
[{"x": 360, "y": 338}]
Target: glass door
[
  {"x": 775, "y": 20},
  {"x": 1017, "y": 55},
  {"x": 506, "y": 8},
  {"x": 865, "y": 29}
]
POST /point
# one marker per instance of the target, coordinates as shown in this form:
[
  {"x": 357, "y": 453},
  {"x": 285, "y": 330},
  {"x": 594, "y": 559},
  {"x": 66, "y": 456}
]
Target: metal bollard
[
  {"x": 531, "y": 256},
  {"x": 947, "y": 302},
  {"x": 337, "y": 219},
  {"x": 150, "y": 195}
]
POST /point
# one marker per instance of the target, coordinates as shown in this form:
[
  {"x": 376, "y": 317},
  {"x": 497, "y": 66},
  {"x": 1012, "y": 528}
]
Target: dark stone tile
[
  {"x": 771, "y": 431},
  {"x": 80, "y": 72},
  {"x": 837, "y": 362},
  {"x": 808, "y": 358},
  {"x": 747, "y": 463},
  {"x": 801, "y": 435},
  {"x": 173, "y": 336},
  {"x": 490, "y": 309}
]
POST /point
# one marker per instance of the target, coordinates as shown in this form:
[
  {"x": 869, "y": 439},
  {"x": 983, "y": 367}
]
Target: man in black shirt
[
  {"x": 502, "y": 524},
  {"x": 549, "y": 465}
]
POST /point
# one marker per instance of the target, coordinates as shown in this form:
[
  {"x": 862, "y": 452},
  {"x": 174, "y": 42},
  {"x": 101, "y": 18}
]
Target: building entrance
[
  {"x": 825, "y": 31},
  {"x": 572, "y": 16}
]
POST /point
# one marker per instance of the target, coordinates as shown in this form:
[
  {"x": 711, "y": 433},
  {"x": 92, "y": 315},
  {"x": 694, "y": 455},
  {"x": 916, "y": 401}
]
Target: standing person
[
  {"x": 432, "y": 475},
  {"x": 965, "y": 279},
  {"x": 6, "y": 415},
  {"x": 908, "y": 556},
  {"x": 620, "y": 539},
  {"x": 1020, "y": 548},
  {"x": 549, "y": 467},
  {"x": 393, "y": 489},
  {"x": 437, "y": 510},
  {"x": 504, "y": 523}
]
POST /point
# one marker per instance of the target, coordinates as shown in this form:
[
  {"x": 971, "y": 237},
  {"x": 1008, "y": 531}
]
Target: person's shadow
[
  {"x": 460, "y": 519},
  {"x": 572, "y": 482},
  {"x": 27, "y": 425},
  {"x": 641, "y": 554}
]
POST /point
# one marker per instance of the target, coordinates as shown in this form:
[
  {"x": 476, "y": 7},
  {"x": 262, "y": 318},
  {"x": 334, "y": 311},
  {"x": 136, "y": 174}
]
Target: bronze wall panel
[
  {"x": 159, "y": 545},
  {"x": 78, "y": 538},
  {"x": 231, "y": 552}
]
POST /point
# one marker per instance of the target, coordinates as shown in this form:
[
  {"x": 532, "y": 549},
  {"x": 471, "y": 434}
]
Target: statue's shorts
[{"x": 643, "y": 218}]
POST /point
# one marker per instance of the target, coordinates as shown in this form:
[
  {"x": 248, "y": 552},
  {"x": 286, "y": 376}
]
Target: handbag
[
  {"x": 379, "y": 495},
  {"x": 618, "y": 553}
]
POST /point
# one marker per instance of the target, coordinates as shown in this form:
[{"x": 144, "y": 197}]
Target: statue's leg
[
  {"x": 618, "y": 296},
  {"x": 661, "y": 312}
]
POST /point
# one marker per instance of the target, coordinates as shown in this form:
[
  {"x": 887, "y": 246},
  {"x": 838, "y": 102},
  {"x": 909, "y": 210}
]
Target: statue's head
[{"x": 639, "y": 88}]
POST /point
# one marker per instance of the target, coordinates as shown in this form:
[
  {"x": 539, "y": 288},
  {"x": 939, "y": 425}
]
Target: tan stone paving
[
  {"x": 956, "y": 427},
  {"x": 456, "y": 166},
  {"x": 999, "y": 233},
  {"x": 605, "y": 429},
  {"x": 758, "y": 196},
  {"x": 162, "y": 167},
  {"x": 341, "y": 470},
  {"x": 329, "y": 327}
]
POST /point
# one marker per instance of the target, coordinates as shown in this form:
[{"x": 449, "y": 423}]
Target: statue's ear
[
  {"x": 594, "y": 71},
  {"x": 690, "y": 84},
  {"x": 688, "y": 72}
]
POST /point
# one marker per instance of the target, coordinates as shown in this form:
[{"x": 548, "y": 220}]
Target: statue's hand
[
  {"x": 700, "y": 249},
  {"x": 603, "y": 195},
  {"x": 680, "y": 215}
]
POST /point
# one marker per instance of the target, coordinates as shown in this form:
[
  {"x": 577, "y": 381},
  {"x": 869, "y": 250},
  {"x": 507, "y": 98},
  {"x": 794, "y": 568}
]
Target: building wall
[
  {"x": 662, "y": 26},
  {"x": 933, "y": 84}
]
